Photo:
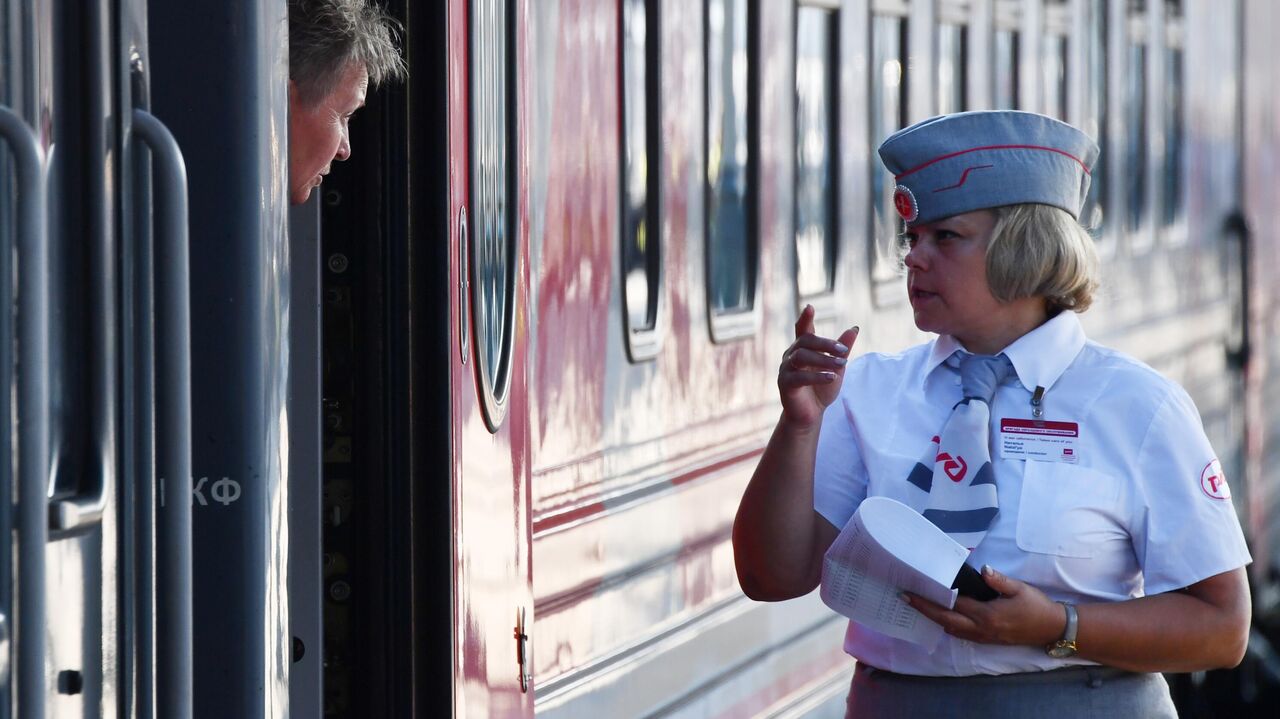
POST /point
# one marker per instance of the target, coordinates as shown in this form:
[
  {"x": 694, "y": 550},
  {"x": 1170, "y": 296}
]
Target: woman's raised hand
[{"x": 811, "y": 372}]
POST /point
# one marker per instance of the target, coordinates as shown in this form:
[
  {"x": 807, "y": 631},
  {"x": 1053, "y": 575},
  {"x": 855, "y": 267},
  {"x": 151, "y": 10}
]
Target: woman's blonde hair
[{"x": 1041, "y": 251}]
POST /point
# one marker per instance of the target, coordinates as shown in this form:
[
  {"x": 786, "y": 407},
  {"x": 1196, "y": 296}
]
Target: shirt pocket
[{"x": 1068, "y": 511}]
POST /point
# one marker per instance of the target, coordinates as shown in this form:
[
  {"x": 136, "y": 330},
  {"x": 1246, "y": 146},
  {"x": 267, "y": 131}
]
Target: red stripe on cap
[
  {"x": 935, "y": 160},
  {"x": 964, "y": 176}
]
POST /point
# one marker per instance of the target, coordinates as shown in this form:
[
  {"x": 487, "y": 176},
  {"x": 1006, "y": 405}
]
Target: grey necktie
[{"x": 955, "y": 473}]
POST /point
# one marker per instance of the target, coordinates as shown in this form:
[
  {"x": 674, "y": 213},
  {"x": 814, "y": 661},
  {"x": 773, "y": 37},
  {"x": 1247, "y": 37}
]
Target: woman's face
[
  {"x": 947, "y": 282},
  {"x": 318, "y": 132}
]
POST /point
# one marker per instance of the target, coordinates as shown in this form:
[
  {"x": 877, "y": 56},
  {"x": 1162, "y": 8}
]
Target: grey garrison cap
[{"x": 969, "y": 161}]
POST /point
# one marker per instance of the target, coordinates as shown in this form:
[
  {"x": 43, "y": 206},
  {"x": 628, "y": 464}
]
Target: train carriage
[{"x": 468, "y": 430}]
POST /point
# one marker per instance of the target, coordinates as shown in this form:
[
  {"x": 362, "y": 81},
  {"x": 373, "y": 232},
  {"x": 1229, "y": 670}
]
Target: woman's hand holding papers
[{"x": 1021, "y": 615}]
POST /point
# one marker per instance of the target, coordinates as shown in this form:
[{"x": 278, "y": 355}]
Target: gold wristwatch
[{"x": 1066, "y": 646}]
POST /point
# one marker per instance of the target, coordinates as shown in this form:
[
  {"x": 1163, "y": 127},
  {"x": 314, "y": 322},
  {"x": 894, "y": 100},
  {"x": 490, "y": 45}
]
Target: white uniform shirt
[{"x": 1143, "y": 510}]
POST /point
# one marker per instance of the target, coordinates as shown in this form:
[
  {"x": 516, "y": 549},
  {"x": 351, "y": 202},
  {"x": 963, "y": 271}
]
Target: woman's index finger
[
  {"x": 849, "y": 336},
  {"x": 804, "y": 324}
]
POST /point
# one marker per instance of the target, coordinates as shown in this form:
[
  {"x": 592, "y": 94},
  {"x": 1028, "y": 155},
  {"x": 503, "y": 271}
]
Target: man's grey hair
[{"x": 327, "y": 36}]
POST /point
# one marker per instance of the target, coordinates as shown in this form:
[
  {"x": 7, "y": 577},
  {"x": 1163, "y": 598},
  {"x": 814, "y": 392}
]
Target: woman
[{"x": 1115, "y": 549}]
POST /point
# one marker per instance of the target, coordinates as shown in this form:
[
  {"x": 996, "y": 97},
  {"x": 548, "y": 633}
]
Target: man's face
[{"x": 318, "y": 132}]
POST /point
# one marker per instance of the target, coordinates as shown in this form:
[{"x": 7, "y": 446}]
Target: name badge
[{"x": 1040, "y": 440}]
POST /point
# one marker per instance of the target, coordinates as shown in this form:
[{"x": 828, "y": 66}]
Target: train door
[
  {"x": 422, "y": 276},
  {"x": 96, "y": 342},
  {"x": 493, "y": 609},
  {"x": 217, "y": 73},
  {"x": 26, "y": 65},
  {"x": 81, "y": 436}
]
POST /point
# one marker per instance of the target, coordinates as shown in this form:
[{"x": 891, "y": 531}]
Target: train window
[
  {"x": 1055, "y": 59},
  {"x": 1006, "y": 58},
  {"x": 731, "y": 242},
  {"x": 493, "y": 254},
  {"x": 1174, "y": 202},
  {"x": 953, "y": 39},
  {"x": 816, "y": 152},
  {"x": 641, "y": 155},
  {"x": 1135, "y": 117},
  {"x": 1094, "y": 215},
  {"x": 1006, "y": 69},
  {"x": 888, "y": 113},
  {"x": 1053, "y": 65}
]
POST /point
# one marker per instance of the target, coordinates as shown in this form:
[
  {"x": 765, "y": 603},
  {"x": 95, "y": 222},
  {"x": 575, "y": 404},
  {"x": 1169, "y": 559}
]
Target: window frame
[
  {"x": 493, "y": 384},
  {"x": 885, "y": 280},
  {"x": 643, "y": 343},
  {"x": 957, "y": 14},
  {"x": 1057, "y": 28},
  {"x": 1139, "y": 234},
  {"x": 960, "y": 79},
  {"x": 1171, "y": 215},
  {"x": 728, "y": 326},
  {"x": 1007, "y": 21},
  {"x": 1095, "y": 106},
  {"x": 824, "y": 301}
]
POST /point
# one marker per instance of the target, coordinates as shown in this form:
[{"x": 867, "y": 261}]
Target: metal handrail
[
  {"x": 174, "y": 657},
  {"x": 33, "y": 411},
  {"x": 85, "y": 508}
]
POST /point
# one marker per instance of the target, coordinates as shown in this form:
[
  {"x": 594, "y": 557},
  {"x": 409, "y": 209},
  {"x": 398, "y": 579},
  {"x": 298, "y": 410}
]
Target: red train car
[{"x": 688, "y": 176}]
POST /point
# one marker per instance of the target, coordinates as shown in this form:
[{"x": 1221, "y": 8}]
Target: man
[{"x": 336, "y": 48}]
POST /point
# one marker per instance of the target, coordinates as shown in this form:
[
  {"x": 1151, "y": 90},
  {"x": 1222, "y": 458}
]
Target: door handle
[
  {"x": 173, "y": 571},
  {"x": 85, "y": 508},
  {"x": 33, "y": 409},
  {"x": 1238, "y": 244}
]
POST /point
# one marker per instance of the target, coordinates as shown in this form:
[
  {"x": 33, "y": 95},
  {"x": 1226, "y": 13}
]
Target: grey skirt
[{"x": 1071, "y": 693}]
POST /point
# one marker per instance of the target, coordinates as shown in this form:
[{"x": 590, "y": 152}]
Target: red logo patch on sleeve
[{"x": 1213, "y": 481}]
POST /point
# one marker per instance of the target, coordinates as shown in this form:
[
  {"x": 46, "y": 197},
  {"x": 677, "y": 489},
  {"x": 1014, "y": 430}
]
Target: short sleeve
[
  {"x": 1186, "y": 528},
  {"x": 839, "y": 474}
]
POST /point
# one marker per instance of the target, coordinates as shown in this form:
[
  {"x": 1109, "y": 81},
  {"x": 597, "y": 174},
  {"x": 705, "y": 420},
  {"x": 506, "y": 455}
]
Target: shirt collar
[
  {"x": 1039, "y": 357},
  {"x": 943, "y": 347}
]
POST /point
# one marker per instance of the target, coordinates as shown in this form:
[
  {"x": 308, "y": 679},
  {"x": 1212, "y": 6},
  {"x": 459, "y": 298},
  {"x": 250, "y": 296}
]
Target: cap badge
[{"x": 905, "y": 203}]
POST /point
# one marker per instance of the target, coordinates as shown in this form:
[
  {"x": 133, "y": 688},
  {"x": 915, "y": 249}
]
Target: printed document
[{"x": 885, "y": 549}]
